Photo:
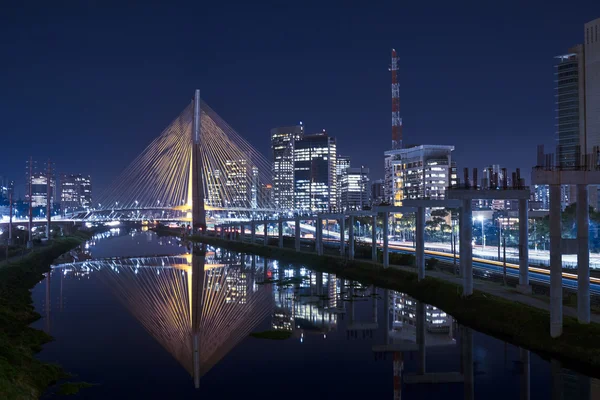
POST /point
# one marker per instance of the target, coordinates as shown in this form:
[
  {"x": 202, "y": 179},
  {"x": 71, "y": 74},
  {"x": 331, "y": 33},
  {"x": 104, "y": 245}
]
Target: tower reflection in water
[{"x": 199, "y": 306}]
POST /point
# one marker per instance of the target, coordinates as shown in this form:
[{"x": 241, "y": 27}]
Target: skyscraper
[
  {"x": 315, "y": 173},
  {"x": 341, "y": 166},
  {"x": 354, "y": 188},
  {"x": 75, "y": 192},
  {"x": 578, "y": 105},
  {"x": 282, "y": 147}
]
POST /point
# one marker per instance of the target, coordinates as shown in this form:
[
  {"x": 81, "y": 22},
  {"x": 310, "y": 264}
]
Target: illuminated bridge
[{"x": 198, "y": 169}]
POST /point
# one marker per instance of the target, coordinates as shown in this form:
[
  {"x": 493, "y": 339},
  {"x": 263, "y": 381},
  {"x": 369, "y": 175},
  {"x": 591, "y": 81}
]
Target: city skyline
[{"x": 473, "y": 122}]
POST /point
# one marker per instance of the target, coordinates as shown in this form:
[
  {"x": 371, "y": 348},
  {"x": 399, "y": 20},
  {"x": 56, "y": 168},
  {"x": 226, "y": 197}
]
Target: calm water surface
[{"x": 146, "y": 318}]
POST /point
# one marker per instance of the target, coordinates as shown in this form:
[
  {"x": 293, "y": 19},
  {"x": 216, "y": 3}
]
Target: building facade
[
  {"x": 377, "y": 192},
  {"x": 354, "y": 189},
  {"x": 342, "y": 164},
  {"x": 283, "y": 141},
  {"x": 39, "y": 189},
  {"x": 315, "y": 187},
  {"x": 577, "y": 78},
  {"x": 75, "y": 192},
  {"x": 423, "y": 171}
]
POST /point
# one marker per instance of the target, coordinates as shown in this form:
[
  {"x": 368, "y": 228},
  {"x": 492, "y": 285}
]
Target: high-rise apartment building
[
  {"x": 416, "y": 172},
  {"x": 315, "y": 164},
  {"x": 237, "y": 183},
  {"x": 283, "y": 141},
  {"x": 75, "y": 192},
  {"x": 354, "y": 188}
]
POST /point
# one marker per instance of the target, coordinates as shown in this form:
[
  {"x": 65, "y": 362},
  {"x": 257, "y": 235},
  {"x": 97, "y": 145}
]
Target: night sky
[{"x": 91, "y": 84}]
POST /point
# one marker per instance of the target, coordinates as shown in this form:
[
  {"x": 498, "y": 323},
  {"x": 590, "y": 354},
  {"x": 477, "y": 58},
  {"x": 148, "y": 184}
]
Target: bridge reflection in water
[{"x": 199, "y": 306}]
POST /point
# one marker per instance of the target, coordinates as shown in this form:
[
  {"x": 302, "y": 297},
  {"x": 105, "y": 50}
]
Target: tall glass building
[
  {"x": 283, "y": 140},
  {"x": 315, "y": 164},
  {"x": 354, "y": 188}
]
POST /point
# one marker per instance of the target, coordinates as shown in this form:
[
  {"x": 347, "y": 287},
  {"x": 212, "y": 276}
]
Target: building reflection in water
[{"x": 200, "y": 305}]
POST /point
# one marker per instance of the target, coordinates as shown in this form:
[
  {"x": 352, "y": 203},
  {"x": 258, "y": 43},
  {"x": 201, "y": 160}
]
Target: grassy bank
[
  {"x": 522, "y": 325},
  {"x": 22, "y": 376}
]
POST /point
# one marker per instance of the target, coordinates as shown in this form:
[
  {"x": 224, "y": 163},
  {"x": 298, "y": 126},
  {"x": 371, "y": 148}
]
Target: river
[{"x": 145, "y": 317}]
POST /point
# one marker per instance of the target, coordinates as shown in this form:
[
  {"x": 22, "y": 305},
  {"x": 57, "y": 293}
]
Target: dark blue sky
[{"x": 91, "y": 84}]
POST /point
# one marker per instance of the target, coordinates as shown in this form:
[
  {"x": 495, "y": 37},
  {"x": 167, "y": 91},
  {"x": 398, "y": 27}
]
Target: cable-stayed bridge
[{"x": 198, "y": 168}]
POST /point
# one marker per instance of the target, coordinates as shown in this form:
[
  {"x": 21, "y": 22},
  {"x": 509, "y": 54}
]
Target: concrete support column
[
  {"x": 466, "y": 249},
  {"x": 525, "y": 374},
  {"x": 342, "y": 236},
  {"x": 252, "y": 232},
  {"x": 556, "y": 295},
  {"x": 222, "y": 232},
  {"x": 319, "y": 236},
  {"x": 242, "y": 232},
  {"x": 583, "y": 256},
  {"x": 524, "y": 246},
  {"x": 420, "y": 242},
  {"x": 374, "y": 239},
  {"x": 266, "y": 234},
  {"x": 386, "y": 232},
  {"x": 280, "y": 231},
  {"x": 298, "y": 233},
  {"x": 421, "y": 335},
  {"x": 467, "y": 360},
  {"x": 351, "y": 237}
]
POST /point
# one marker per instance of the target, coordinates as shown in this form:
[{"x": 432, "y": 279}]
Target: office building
[
  {"x": 315, "y": 165},
  {"x": 283, "y": 141},
  {"x": 577, "y": 79},
  {"x": 416, "y": 172},
  {"x": 354, "y": 188},
  {"x": 75, "y": 192},
  {"x": 237, "y": 183},
  {"x": 377, "y": 192},
  {"x": 39, "y": 189},
  {"x": 342, "y": 164}
]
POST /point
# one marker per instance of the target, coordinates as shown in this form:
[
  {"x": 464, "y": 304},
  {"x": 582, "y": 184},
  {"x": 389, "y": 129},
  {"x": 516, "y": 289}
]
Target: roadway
[{"x": 538, "y": 275}]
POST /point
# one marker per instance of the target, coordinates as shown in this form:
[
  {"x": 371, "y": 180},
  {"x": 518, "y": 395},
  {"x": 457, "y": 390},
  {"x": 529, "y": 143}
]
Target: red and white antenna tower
[{"x": 396, "y": 120}]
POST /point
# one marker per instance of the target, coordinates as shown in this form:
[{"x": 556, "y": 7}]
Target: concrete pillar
[
  {"x": 524, "y": 246},
  {"x": 556, "y": 295},
  {"x": 583, "y": 256},
  {"x": 420, "y": 242},
  {"x": 280, "y": 231},
  {"x": 252, "y": 232},
  {"x": 342, "y": 237},
  {"x": 421, "y": 335},
  {"x": 266, "y": 234},
  {"x": 525, "y": 374},
  {"x": 386, "y": 232},
  {"x": 319, "y": 236},
  {"x": 222, "y": 232},
  {"x": 467, "y": 359},
  {"x": 242, "y": 231},
  {"x": 351, "y": 237},
  {"x": 374, "y": 239},
  {"x": 466, "y": 249},
  {"x": 298, "y": 233}
]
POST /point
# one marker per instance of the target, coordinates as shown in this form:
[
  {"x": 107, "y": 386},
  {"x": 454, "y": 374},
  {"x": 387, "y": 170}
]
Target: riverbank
[
  {"x": 521, "y": 324},
  {"x": 22, "y": 376}
]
